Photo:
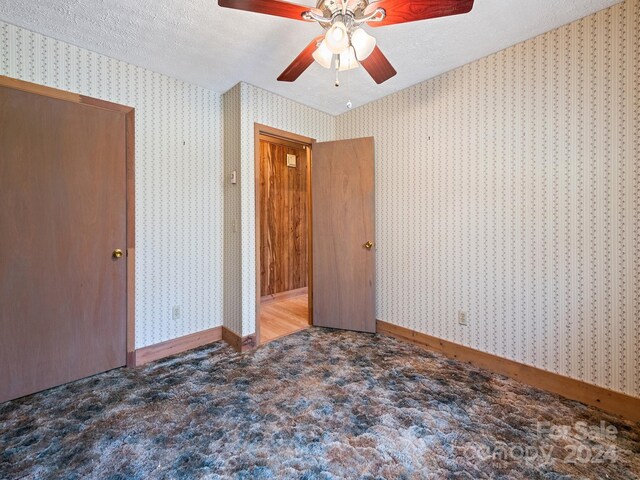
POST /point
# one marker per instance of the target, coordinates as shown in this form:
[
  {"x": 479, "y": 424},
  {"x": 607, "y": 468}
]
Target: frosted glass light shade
[
  {"x": 363, "y": 43},
  {"x": 337, "y": 38},
  {"x": 323, "y": 55},
  {"x": 348, "y": 60}
]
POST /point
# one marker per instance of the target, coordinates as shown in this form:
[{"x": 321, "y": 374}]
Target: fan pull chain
[{"x": 349, "y": 84}]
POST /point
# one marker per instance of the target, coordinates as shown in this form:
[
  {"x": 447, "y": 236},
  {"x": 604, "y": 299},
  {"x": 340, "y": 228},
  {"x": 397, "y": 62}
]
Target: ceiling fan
[{"x": 345, "y": 45}]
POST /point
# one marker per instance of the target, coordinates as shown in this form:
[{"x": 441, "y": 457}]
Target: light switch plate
[{"x": 291, "y": 160}]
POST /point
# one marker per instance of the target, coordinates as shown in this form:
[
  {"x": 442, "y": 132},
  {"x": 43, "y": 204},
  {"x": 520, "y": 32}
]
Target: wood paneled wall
[{"x": 283, "y": 217}]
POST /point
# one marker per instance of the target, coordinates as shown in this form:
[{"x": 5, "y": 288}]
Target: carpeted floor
[{"x": 317, "y": 404}]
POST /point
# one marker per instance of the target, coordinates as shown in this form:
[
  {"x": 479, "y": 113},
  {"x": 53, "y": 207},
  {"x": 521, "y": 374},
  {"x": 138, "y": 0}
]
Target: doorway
[{"x": 283, "y": 233}]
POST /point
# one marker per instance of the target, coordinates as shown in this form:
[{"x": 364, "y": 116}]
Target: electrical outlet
[
  {"x": 177, "y": 312},
  {"x": 462, "y": 318}
]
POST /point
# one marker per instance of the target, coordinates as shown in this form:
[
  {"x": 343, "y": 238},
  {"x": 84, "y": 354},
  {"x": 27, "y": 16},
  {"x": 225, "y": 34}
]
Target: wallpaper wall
[
  {"x": 232, "y": 245},
  {"x": 179, "y": 197},
  {"x": 259, "y": 106},
  {"x": 510, "y": 189}
]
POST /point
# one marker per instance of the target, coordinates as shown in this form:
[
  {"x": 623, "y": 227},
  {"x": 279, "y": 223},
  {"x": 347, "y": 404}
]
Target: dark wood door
[
  {"x": 283, "y": 217},
  {"x": 342, "y": 179},
  {"x": 63, "y": 197}
]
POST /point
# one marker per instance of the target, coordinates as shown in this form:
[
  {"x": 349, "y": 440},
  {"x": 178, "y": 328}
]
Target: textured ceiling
[{"x": 201, "y": 43}]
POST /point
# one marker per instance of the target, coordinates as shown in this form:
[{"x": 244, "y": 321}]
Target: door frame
[
  {"x": 129, "y": 114},
  {"x": 276, "y": 133}
]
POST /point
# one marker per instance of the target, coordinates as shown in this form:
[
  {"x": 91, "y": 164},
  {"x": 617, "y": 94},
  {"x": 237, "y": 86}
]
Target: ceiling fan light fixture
[
  {"x": 341, "y": 20},
  {"x": 323, "y": 55},
  {"x": 337, "y": 38},
  {"x": 348, "y": 60},
  {"x": 363, "y": 43}
]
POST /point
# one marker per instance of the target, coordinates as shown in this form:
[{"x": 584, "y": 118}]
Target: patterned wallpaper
[
  {"x": 510, "y": 189},
  {"x": 179, "y": 197},
  {"x": 232, "y": 246},
  {"x": 259, "y": 106}
]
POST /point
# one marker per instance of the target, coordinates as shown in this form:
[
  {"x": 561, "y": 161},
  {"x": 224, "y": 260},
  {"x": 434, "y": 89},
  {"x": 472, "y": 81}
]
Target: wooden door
[
  {"x": 283, "y": 216},
  {"x": 63, "y": 302},
  {"x": 342, "y": 189}
]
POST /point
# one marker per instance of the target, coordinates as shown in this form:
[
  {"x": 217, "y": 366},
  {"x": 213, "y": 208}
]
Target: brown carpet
[{"x": 318, "y": 404}]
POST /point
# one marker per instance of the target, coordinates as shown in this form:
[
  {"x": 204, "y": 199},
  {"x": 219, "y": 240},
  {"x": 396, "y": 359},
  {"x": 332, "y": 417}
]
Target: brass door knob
[
  {"x": 117, "y": 253},
  {"x": 368, "y": 245}
]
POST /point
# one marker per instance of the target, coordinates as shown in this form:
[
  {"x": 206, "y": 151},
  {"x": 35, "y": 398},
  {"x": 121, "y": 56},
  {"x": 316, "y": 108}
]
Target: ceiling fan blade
[
  {"x": 378, "y": 66},
  {"x": 401, "y": 11},
  {"x": 270, "y": 7},
  {"x": 301, "y": 62}
]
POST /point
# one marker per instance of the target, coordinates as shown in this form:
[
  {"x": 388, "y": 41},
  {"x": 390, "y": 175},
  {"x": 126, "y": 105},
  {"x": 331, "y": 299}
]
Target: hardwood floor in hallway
[{"x": 280, "y": 317}]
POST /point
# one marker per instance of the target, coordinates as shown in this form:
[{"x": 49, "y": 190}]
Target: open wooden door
[
  {"x": 63, "y": 263},
  {"x": 342, "y": 187}
]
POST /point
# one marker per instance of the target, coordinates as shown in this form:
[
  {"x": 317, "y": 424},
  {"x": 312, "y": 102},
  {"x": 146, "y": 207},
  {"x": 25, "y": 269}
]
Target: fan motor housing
[{"x": 329, "y": 8}]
